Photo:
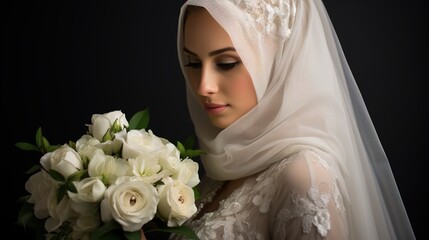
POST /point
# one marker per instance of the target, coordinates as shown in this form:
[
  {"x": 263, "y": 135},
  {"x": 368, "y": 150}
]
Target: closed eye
[{"x": 228, "y": 66}]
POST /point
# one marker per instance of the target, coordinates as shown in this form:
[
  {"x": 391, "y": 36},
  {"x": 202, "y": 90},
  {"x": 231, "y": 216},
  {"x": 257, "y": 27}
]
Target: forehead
[{"x": 202, "y": 33}]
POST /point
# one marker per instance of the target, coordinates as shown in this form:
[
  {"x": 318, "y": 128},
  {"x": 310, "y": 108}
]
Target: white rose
[
  {"x": 188, "y": 173},
  {"x": 86, "y": 140},
  {"x": 131, "y": 202},
  {"x": 136, "y": 142},
  {"x": 101, "y": 123},
  {"x": 87, "y": 152},
  {"x": 107, "y": 168},
  {"x": 108, "y": 147},
  {"x": 177, "y": 202},
  {"x": 64, "y": 160},
  {"x": 38, "y": 185},
  {"x": 169, "y": 158},
  {"x": 88, "y": 190}
]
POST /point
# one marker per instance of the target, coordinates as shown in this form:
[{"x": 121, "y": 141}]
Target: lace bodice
[{"x": 296, "y": 198}]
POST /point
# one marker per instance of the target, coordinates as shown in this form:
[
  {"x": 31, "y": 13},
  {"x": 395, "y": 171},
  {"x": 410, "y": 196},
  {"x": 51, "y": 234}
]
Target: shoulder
[
  {"x": 302, "y": 171},
  {"x": 307, "y": 196}
]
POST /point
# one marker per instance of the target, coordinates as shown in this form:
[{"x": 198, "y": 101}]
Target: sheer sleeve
[{"x": 308, "y": 204}]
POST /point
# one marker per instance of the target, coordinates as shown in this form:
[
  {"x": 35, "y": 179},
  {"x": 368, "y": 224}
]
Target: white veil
[{"x": 307, "y": 99}]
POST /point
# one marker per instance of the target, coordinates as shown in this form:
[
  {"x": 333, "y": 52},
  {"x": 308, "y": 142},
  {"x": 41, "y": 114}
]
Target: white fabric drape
[{"x": 307, "y": 100}]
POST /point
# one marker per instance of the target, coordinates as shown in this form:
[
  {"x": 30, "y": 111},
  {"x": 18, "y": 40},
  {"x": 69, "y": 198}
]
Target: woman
[{"x": 291, "y": 152}]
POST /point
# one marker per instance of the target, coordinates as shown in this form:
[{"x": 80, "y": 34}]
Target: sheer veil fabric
[{"x": 307, "y": 99}]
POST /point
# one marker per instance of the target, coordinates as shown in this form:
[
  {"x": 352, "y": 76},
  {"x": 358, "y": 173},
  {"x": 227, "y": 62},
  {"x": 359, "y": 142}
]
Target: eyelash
[
  {"x": 223, "y": 66},
  {"x": 228, "y": 66}
]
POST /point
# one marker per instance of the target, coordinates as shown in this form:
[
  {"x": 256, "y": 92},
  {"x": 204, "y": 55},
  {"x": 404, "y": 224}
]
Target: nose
[{"x": 208, "y": 83}]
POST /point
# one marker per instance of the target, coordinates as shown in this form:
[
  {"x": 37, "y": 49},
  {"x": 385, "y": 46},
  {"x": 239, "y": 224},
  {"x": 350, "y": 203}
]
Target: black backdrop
[{"x": 62, "y": 61}]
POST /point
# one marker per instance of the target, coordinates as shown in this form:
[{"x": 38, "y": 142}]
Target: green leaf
[
  {"x": 39, "y": 137},
  {"x": 190, "y": 142},
  {"x": 102, "y": 232},
  {"x": 27, "y": 146},
  {"x": 116, "y": 127},
  {"x": 133, "y": 235},
  {"x": 51, "y": 148},
  {"x": 181, "y": 148},
  {"x": 181, "y": 230},
  {"x": 186, "y": 149},
  {"x": 45, "y": 144},
  {"x": 33, "y": 169},
  {"x": 71, "y": 187},
  {"x": 25, "y": 214},
  {"x": 76, "y": 176},
  {"x": 27, "y": 219},
  {"x": 72, "y": 144},
  {"x": 193, "y": 153},
  {"x": 56, "y": 175},
  {"x": 139, "y": 120},
  {"x": 107, "y": 136},
  {"x": 61, "y": 192},
  {"x": 110, "y": 133},
  {"x": 197, "y": 194}
]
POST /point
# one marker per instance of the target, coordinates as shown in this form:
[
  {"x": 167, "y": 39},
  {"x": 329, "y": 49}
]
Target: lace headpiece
[{"x": 269, "y": 16}]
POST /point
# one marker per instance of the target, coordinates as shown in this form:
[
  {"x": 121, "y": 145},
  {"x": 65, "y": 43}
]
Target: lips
[{"x": 213, "y": 108}]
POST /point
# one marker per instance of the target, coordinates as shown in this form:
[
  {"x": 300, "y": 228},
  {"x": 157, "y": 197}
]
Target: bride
[{"x": 290, "y": 150}]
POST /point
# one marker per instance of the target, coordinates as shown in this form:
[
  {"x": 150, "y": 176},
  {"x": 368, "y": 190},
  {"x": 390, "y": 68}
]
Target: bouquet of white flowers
[{"x": 113, "y": 181}]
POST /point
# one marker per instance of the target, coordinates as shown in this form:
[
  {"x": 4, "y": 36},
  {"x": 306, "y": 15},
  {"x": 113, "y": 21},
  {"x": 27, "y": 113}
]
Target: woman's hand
[{"x": 142, "y": 236}]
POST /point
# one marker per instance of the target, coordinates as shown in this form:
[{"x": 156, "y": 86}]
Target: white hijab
[{"x": 307, "y": 99}]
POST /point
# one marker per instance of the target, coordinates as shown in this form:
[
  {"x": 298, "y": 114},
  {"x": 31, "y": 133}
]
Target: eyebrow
[{"x": 213, "y": 53}]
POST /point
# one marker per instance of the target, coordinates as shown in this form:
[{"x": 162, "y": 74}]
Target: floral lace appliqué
[
  {"x": 335, "y": 192},
  {"x": 312, "y": 210},
  {"x": 264, "y": 191},
  {"x": 225, "y": 218},
  {"x": 245, "y": 212},
  {"x": 269, "y": 16}
]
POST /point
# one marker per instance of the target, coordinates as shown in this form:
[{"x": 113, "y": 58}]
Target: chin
[{"x": 218, "y": 123}]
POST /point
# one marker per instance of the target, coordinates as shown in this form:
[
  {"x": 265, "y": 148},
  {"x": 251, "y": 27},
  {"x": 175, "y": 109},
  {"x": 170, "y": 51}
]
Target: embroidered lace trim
[
  {"x": 312, "y": 211},
  {"x": 269, "y": 16}
]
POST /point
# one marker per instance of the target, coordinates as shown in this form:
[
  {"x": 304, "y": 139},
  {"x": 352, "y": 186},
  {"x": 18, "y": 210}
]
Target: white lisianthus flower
[
  {"x": 136, "y": 142},
  {"x": 177, "y": 202},
  {"x": 88, "y": 190},
  {"x": 102, "y": 123},
  {"x": 38, "y": 185},
  {"x": 131, "y": 202},
  {"x": 88, "y": 219},
  {"x": 188, "y": 173},
  {"x": 107, "y": 168},
  {"x": 59, "y": 212},
  {"x": 64, "y": 160},
  {"x": 146, "y": 167}
]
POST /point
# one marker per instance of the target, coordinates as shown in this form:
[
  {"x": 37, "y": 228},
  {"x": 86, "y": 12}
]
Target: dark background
[{"x": 62, "y": 61}]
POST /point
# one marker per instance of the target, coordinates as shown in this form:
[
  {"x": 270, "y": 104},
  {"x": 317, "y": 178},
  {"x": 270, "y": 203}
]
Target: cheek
[
  {"x": 242, "y": 87},
  {"x": 194, "y": 79}
]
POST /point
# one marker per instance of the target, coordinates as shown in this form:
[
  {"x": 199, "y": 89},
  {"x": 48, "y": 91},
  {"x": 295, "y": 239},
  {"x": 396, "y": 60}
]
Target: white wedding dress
[{"x": 298, "y": 196}]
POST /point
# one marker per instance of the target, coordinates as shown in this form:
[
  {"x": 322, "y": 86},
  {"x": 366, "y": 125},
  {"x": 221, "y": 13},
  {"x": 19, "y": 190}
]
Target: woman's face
[{"x": 215, "y": 70}]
